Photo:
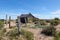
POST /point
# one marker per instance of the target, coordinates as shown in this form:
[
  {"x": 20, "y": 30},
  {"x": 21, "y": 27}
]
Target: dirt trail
[{"x": 38, "y": 35}]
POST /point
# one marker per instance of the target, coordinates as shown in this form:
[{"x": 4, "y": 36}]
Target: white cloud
[{"x": 57, "y": 12}]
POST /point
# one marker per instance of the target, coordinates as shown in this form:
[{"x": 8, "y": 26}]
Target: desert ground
[{"x": 37, "y": 32}]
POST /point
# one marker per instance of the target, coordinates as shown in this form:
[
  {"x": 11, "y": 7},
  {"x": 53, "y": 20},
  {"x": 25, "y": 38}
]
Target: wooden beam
[
  {"x": 25, "y": 22},
  {"x": 19, "y": 25},
  {"x": 6, "y": 20},
  {"x": 9, "y": 21}
]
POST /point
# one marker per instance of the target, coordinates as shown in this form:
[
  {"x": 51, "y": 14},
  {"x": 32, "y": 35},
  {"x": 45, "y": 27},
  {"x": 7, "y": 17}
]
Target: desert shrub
[
  {"x": 28, "y": 35},
  {"x": 13, "y": 34},
  {"x": 4, "y": 30},
  {"x": 43, "y": 22},
  {"x": 54, "y": 22},
  {"x": 30, "y": 20},
  {"x": 21, "y": 38},
  {"x": 1, "y": 25},
  {"x": 12, "y": 27},
  {"x": 0, "y": 37},
  {"x": 36, "y": 22},
  {"x": 2, "y": 33},
  {"x": 49, "y": 31},
  {"x": 57, "y": 36},
  {"x": 35, "y": 19},
  {"x": 56, "y": 18},
  {"x": 48, "y": 21}
]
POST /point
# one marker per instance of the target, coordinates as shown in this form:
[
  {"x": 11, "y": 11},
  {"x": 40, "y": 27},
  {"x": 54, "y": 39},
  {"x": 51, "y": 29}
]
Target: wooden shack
[{"x": 26, "y": 18}]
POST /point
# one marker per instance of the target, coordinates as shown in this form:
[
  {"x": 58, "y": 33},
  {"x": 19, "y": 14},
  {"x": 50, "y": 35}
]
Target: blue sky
[{"x": 43, "y": 9}]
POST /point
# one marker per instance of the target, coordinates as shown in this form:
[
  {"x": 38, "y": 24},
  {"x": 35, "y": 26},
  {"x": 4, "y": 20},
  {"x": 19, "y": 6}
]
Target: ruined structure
[{"x": 25, "y": 18}]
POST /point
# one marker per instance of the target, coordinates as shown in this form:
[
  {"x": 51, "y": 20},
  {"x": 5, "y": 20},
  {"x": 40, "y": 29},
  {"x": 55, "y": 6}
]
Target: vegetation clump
[
  {"x": 49, "y": 31},
  {"x": 55, "y": 22},
  {"x": 1, "y": 25},
  {"x": 28, "y": 35},
  {"x": 2, "y": 33},
  {"x": 57, "y": 36},
  {"x": 12, "y": 34}
]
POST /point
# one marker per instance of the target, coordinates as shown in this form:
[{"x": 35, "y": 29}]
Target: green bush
[
  {"x": 54, "y": 22},
  {"x": 57, "y": 36},
  {"x": 2, "y": 33},
  {"x": 28, "y": 35},
  {"x": 56, "y": 19},
  {"x": 4, "y": 30},
  {"x": 13, "y": 34},
  {"x": 43, "y": 22},
  {"x": 1, "y": 25},
  {"x": 49, "y": 31}
]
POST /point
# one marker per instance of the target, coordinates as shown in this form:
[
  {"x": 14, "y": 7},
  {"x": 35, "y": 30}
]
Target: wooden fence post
[
  {"x": 39, "y": 22},
  {"x": 19, "y": 25},
  {"x": 6, "y": 20},
  {"x": 9, "y": 21},
  {"x": 25, "y": 22}
]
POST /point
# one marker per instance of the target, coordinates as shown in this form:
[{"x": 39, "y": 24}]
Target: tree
[{"x": 56, "y": 19}]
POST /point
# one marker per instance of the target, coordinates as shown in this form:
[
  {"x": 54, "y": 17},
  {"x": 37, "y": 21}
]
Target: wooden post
[
  {"x": 39, "y": 22},
  {"x": 9, "y": 21},
  {"x": 6, "y": 20},
  {"x": 19, "y": 25},
  {"x": 25, "y": 22}
]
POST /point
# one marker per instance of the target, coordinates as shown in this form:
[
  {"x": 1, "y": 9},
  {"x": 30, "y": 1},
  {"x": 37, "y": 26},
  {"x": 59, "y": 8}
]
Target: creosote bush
[
  {"x": 28, "y": 35},
  {"x": 2, "y": 33},
  {"x": 55, "y": 21},
  {"x": 57, "y": 36},
  {"x": 49, "y": 31},
  {"x": 1, "y": 25},
  {"x": 13, "y": 34}
]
